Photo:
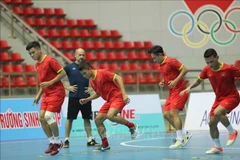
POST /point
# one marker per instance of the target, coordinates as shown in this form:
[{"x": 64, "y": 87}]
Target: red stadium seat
[
  {"x": 17, "y": 10},
  {"x": 37, "y": 12},
  {"x": 4, "y": 57},
  {"x": 17, "y": 68},
  {"x": 143, "y": 56},
  {"x": 129, "y": 79},
  {"x": 103, "y": 66},
  {"x": 66, "y": 45},
  {"x": 108, "y": 45},
  {"x": 52, "y": 33},
  {"x": 18, "y": 82},
  {"x": 84, "y": 33},
  {"x": 105, "y": 34},
  {"x": 81, "y": 23},
  {"x": 118, "y": 45},
  {"x": 115, "y": 34},
  {"x": 30, "y": 21},
  {"x": 42, "y": 32},
  {"x": 134, "y": 66},
  {"x": 69, "y": 56},
  {"x": 39, "y": 22},
  {"x": 110, "y": 56},
  {"x": 147, "y": 44},
  {"x": 127, "y": 45},
  {"x": 87, "y": 45},
  {"x": 145, "y": 66},
  {"x": 27, "y": 2},
  {"x": 155, "y": 66},
  {"x": 138, "y": 45},
  {"x": 4, "y": 82},
  {"x": 50, "y": 22},
  {"x": 60, "y": 22},
  {"x": 27, "y": 11},
  {"x": 56, "y": 44},
  {"x": 120, "y": 56},
  {"x": 113, "y": 67},
  {"x": 7, "y": 68},
  {"x": 94, "y": 33},
  {"x": 31, "y": 81},
  {"x": 4, "y": 44},
  {"x": 63, "y": 33},
  {"x": 237, "y": 63},
  {"x": 100, "y": 56},
  {"x": 98, "y": 45},
  {"x": 76, "y": 44},
  {"x": 16, "y": 57},
  {"x": 90, "y": 23},
  {"x": 71, "y": 23},
  {"x": 48, "y": 12},
  {"x": 131, "y": 56},
  {"x": 125, "y": 67},
  {"x": 29, "y": 68},
  {"x": 74, "y": 33},
  {"x": 90, "y": 56},
  {"x": 59, "y": 12}
]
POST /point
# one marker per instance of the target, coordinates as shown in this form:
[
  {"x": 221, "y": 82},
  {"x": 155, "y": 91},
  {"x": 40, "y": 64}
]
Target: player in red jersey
[
  {"x": 221, "y": 77},
  {"x": 172, "y": 72},
  {"x": 50, "y": 73},
  {"x": 104, "y": 84}
]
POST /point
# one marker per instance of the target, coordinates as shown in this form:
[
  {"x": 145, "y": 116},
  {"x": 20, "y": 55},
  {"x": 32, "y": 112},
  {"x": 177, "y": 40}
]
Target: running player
[
  {"x": 110, "y": 87},
  {"x": 172, "y": 72},
  {"x": 50, "y": 73},
  {"x": 221, "y": 77}
]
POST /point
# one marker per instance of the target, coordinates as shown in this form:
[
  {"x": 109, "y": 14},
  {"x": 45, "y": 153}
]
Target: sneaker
[
  {"x": 177, "y": 144},
  {"x": 50, "y": 148},
  {"x": 214, "y": 150},
  {"x": 92, "y": 143},
  {"x": 66, "y": 144},
  {"x": 232, "y": 138},
  {"x": 134, "y": 131},
  {"x": 102, "y": 148},
  {"x": 56, "y": 148},
  {"x": 186, "y": 138}
]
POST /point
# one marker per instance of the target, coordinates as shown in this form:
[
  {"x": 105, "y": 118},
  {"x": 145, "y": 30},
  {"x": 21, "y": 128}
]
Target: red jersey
[
  {"x": 170, "y": 68},
  {"x": 104, "y": 85},
  {"x": 47, "y": 70},
  {"x": 222, "y": 80}
]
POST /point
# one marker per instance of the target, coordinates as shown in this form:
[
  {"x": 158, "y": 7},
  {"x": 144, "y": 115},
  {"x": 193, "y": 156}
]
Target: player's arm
[
  {"x": 120, "y": 82},
  {"x": 193, "y": 85},
  {"x": 183, "y": 72},
  {"x": 61, "y": 74},
  {"x": 38, "y": 96},
  {"x": 92, "y": 97}
]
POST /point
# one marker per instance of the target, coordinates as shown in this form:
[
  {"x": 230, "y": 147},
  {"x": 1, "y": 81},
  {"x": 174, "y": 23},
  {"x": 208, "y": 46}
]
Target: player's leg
[
  {"x": 86, "y": 111},
  {"x": 54, "y": 106},
  {"x": 101, "y": 117},
  {"x": 72, "y": 112},
  {"x": 116, "y": 107},
  {"x": 45, "y": 126},
  {"x": 214, "y": 132},
  {"x": 226, "y": 106}
]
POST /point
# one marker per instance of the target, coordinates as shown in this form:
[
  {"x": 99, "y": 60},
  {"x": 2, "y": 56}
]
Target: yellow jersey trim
[
  {"x": 43, "y": 58},
  {"x": 95, "y": 75},
  {"x": 181, "y": 67},
  {"x": 59, "y": 70},
  {"x": 164, "y": 60},
  {"x": 200, "y": 78},
  {"x": 219, "y": 68}
]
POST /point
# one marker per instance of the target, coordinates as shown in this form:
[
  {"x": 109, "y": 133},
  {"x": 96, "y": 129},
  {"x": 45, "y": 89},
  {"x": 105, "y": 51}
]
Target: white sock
[
  {"x": 90, "y": 139},
  {"x": 57, "y": 140},
  {"x": 217, "y": 143},
  {"x": 183, "y": 132},
  {"x": 66, "y": 138},
  {"x": 51, "y": 140},
  {"x": 179, "y": 135},
  {"x": 230, "y": 129}
]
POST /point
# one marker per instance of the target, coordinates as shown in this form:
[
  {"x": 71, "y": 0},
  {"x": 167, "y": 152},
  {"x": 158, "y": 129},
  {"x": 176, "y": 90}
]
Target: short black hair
[
  {"x": 210, "y": 52},
  {"x": 84, "y": 65},
  {"x": 33, "y": 44},
  {"x": 158, "y": 50}
]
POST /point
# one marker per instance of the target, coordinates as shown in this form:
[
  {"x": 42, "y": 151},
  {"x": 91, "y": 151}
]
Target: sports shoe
[
  {"x": 134, "y": 131},
  {"x": 56, "y": 148},
  {"x": 177, "y": 144},
  {"x": 232, "y": 138},
  {"x": 102, "y": 148},
  {"x": 66, "y": 144},
  {"x": 50, "y": 148},
  {"x": 186, "y": 138},
  {"x": 92, "y": 143},
  {"x": 214, "y": 150}
]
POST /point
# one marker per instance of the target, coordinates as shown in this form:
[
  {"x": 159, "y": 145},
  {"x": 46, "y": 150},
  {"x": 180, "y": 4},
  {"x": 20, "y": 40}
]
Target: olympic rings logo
[{"x": 203, "y": 28}]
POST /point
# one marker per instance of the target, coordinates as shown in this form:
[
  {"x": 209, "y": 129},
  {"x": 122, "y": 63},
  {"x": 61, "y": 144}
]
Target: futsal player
[
  {"x": 172, "y": 72},
  {"x": 50, "y": 73},
  {"x": 221, "y": 77},
  {"x": 110, "y": 87}
]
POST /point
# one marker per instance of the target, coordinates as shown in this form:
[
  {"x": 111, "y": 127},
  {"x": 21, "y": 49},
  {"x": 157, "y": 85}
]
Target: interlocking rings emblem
[{"x": 204, "y": 29}]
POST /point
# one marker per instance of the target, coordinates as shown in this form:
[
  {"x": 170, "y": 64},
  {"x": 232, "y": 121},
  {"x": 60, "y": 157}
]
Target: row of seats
[
  {"x": 111, "y": 56},
  {"x": 18, "y": 82},
  {"x": 17, "y": 68},
  {"x": 51, "y": 22},
  {"x": 18, "y": 2},
  {"x": 75, "y": 33},
  {"x": 29, "y": 11},
  {"x": 13, "y": 57},
  {"x": 141, "y": 79},
  {"x": 126, "y": 66},
  {"x": 99, "y": 45}
]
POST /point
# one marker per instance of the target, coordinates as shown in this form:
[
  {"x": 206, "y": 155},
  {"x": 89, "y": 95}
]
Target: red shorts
[
  {"x": 116, "y": 102},
  {"x": 175, "y": 101},
  {"x": 52, "y": 103},
  {"x": 227, "y": 103}
]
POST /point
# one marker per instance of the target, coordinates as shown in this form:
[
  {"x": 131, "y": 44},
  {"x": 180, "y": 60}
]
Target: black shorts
[{"x": 74, "y": 106}]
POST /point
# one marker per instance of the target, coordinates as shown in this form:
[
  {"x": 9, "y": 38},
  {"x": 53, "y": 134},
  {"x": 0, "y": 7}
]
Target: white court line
[{"x": 162, "y": 147}]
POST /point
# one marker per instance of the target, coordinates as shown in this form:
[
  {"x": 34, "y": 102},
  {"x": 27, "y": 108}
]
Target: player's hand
[
  {"x": 72, "y": 88},
  {"x": 172, "y": 84},
  {"x": 161, "y": 84},
  {"x": 45, "y": 84},
  {"x": 88, "y": 90},
  {"x": 35, "y": 101},
  {"x": 187, "y": 90},
  {"x": 83, "y": 101},
  {"x": 126, "y": 98}
]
